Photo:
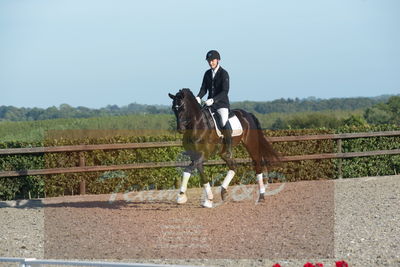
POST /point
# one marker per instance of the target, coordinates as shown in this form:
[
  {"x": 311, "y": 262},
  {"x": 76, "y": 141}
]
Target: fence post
[
  {"x": 339, "y": 150},
  {"x": 82, "y": 185}
]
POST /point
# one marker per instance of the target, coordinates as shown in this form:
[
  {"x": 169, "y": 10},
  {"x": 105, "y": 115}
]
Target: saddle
[{"x": 215, "y": 119}]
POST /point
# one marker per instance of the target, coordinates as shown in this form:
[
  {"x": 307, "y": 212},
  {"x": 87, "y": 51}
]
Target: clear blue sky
[{"x": 98, "y": 52}]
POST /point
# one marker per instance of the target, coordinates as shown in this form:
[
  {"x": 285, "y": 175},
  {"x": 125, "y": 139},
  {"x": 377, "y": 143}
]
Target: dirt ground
[
  {"x": 356, "y": 220},
  {"x": 297, "y": 222}
]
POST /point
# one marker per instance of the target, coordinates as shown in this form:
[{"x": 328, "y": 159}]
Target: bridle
[{"x": 178, "y": 108}]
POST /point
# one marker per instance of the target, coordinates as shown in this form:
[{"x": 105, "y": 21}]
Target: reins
[{"x": 207, "y": 114}]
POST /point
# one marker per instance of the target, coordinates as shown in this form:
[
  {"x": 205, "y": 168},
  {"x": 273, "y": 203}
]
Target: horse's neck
[
  {"x": 202, "y": 129},
  {"x": 198, "y": 119}
]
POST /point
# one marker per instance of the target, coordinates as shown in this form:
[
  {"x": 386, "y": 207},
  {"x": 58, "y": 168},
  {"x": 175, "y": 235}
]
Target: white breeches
[{"x": 224, "y": 113}]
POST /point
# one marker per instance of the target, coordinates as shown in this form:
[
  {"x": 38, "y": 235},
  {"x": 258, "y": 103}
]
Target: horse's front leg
[
  {"x": 182, "y": 198},
  {"x": 229, "y": 176},
  {"x": 197, "y": 163},
  {"x": 208, "y": 199}
]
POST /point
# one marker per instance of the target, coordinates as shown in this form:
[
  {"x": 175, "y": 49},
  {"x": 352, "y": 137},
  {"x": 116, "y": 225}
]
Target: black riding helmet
[{"x": 212, "y": 54}]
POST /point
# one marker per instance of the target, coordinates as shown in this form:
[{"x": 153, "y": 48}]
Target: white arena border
[{"x": 32, "y": 262}]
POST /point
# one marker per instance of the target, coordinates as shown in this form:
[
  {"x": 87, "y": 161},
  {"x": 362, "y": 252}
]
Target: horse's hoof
[
  {"x": 261, "y": 198},
  {"x": 207, "y": 204},
  {"x": 182, "y": 198},
  {"x": 224, "y": 193}
]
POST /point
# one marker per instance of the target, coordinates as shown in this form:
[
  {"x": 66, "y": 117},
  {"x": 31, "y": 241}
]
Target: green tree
[
  {"x": 376, "y": 115},
  {"x": 384, "y": 113},
  {"x": 394, "y": 107},
  {"x": 279, "y": 124},
  {"x": 355, "y": 121}
]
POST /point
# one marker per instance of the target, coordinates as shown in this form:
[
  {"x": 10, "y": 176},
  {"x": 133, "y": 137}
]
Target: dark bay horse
[{"x": 200, "y": 141}]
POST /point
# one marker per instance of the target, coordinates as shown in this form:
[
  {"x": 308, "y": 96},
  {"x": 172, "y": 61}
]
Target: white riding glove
[
  {"x": 198, "y": 99},
  {"x": 209, "y": 102}
]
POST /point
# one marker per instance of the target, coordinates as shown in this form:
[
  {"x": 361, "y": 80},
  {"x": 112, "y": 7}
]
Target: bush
[
  {"x": 21, "y": 187},
  {"x": 167, "y": 178},
  {"x": 375, "y": 165}
]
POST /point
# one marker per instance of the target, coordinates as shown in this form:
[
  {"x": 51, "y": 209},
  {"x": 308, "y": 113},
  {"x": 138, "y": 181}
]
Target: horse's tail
[{"x": 267, "y": 152}]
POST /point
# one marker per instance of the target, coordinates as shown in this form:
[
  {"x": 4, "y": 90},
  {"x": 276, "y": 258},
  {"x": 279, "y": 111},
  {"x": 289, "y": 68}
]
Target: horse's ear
[{"x": 171, "y": 96}]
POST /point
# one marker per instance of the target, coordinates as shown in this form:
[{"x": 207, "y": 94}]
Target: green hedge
[
  {"x": 166, "y": 178},
  {"x": 375, "y": 165},
  {"x": 21, "y": 187}
]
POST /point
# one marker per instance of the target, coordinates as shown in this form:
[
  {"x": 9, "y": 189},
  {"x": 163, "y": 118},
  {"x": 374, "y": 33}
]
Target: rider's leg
[
  {"x": 226, "y": 131},
  {"x": 228, "y": 139}
]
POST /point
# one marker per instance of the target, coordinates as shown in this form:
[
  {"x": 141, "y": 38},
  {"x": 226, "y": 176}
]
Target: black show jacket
[{"x": 217, "y": 88}]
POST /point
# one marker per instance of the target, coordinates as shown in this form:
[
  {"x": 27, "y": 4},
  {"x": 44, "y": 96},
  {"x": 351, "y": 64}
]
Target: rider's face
[{"x": 213, "y": 63}]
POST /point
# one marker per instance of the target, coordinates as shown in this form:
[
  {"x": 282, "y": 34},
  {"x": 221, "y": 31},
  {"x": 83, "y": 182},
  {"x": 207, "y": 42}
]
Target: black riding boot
[{"x": 227, "y": 132}]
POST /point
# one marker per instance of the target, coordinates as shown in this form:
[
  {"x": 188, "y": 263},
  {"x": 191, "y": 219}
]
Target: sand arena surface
[{"x": 352, "y": 219}]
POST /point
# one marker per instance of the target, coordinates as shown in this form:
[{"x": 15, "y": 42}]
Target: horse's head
[{"x": 183, "y": 106}]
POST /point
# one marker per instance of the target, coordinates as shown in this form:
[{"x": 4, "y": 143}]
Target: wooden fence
[{"x": 83, "y": 168}]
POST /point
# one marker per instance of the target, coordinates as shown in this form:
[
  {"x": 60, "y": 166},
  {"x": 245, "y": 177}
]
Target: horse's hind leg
[
  {"x": 254, "y": 151},
  {"x": 258, "y": 167},
  {"x": 229, "y": 176},
  {"x": 261, "y": 187},
  {"x": 224, "y": 186}
]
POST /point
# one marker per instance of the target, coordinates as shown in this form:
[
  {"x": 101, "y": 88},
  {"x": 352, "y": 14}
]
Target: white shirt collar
[{"x": 214, "y": 71}]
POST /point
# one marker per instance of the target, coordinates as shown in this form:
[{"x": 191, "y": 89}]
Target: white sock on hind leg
[
  {"x": 185, "y": 180},
  {"x": 207, "y": 189},
  {"x": 261, "y": 183},
  {"x": 228, "y": 178}
]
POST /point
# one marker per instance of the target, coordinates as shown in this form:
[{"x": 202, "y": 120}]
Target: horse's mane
[{"x": 190, "y": 100}]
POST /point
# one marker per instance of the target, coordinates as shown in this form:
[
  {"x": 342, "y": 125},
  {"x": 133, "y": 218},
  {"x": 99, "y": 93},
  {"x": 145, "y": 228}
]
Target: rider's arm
[{"x": 203, "y": 88}]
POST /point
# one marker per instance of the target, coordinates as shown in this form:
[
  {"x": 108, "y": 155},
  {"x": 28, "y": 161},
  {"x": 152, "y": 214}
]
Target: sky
[{"x": 95, "y": 53}]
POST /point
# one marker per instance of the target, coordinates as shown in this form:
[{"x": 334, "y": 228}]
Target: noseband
[{"x": 178, "y": 107}]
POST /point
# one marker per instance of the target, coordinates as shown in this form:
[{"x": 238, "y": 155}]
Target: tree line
[
  {"x": 381, "y": 113},
  {"x": 11, "y": 113},
  {"x": 310, "y": 104},
  {"x": 16, "y": 129}
]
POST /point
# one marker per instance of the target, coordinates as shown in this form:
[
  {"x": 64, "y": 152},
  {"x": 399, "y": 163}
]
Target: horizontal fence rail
[{"x": 82, "y": 148}]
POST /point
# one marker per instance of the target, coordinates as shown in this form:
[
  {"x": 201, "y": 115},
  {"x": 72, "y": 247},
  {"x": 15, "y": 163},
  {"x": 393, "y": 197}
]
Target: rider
[{"x": 216, "y": 82}]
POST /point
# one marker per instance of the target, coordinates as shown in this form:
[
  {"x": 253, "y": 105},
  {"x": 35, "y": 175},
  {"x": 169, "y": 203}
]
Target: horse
[{"x": 200, "y": 141}]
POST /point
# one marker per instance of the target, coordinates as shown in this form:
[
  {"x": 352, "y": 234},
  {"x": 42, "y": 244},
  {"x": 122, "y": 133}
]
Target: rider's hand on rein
[{"x": 209, "y": 102}]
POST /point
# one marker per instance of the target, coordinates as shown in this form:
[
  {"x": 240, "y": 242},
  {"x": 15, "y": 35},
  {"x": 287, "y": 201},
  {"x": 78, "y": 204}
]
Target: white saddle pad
[{"x": 235, "y": 124}]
